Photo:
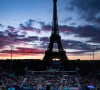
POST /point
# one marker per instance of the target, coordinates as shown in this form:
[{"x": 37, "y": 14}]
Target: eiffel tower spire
[
  {"x": 55, "y": 38},
  {"x": 55, "y": 28}
]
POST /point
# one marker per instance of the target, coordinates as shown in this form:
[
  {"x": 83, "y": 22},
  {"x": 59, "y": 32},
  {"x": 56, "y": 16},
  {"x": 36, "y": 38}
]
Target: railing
[{"x": 52, "y": 72}]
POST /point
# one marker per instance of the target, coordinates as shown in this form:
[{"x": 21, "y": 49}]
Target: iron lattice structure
[{"x": 55, "y": 38}]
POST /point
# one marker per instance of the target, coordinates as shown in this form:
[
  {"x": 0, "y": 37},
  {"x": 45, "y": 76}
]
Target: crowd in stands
[
  {"x": 40, "y": 82},
  {"x": 89, "y": 82},
  {"x": 50, "y": 81}
]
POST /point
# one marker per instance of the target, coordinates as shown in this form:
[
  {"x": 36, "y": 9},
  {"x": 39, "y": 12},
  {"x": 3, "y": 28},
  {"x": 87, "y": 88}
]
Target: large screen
[{"x": 11, "y": 88}]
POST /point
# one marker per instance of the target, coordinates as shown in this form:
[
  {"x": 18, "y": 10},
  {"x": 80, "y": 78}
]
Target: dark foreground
[
  {"x": 19, "y": 66},
  {"x": 37, "y": 75}
]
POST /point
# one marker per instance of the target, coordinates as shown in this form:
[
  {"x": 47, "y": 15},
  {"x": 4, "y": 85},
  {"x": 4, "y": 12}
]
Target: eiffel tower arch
[{"x": 51, "y": 53}]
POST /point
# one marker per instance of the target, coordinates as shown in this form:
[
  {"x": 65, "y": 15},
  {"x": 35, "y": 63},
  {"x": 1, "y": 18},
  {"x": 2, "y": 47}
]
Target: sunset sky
[{"x": 25, "y": 28}]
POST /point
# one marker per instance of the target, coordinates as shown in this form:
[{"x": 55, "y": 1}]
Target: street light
[
  {"x": 11, "y": 61},
  {"x": 93, "y": 47},
  {"x": 11, "y": 53}
]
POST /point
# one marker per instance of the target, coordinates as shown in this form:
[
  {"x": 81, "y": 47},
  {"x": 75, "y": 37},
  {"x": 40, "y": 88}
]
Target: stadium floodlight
[{"x": 93, "y": 47}]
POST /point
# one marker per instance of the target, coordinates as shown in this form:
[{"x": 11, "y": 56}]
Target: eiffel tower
[{"x": 50, "y": 53}]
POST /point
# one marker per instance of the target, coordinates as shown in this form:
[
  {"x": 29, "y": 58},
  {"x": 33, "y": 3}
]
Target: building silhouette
[{"x": 56, "y": 53}]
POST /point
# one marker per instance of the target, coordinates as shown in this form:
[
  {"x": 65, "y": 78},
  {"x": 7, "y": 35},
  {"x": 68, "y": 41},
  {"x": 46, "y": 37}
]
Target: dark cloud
[
  {"x": 87, "y": 5},
  {"x": 30, "y": 50},
  {"x": 1, "y": 25},
  {"x": 44, "y": 42},
  {"x": 30, "y": 39},
  {"x": 12, "y": 29},
  {"x": 46, "y": 27},
  {"x": 28, "y": 26},
  {"x": 72, "y": 23},
  {"x": 45, "y": 39},
  {"x": 88, "y": 31},
  {"x": 12, "y": 36},
  {"x": 92, "y": 18},
  {"x": 68, "y": 19},
  {"x": 4, "y": 40},
  {"x": 88, "y": 9},
  {"x": 24, "y": 50},
  {"x": 67, "y": 29},
  {"x": 83, "y": 48},
  {"x": 30, "y": 22},
  {"x": 82, "y": 52},
  {"x": 41, "y": 23},
  {"x": 72, "y": 44}
]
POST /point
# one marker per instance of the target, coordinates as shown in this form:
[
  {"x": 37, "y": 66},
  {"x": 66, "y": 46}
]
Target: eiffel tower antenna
[{"x": 55, "y": 38}]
